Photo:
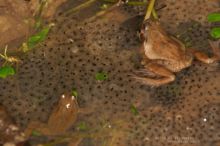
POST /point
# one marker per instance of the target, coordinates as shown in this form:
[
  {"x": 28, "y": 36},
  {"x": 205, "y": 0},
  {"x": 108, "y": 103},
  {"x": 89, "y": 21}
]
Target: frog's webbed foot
[
  {"x": 166, "y": 76},
  {"x": 205, "y": 58}
]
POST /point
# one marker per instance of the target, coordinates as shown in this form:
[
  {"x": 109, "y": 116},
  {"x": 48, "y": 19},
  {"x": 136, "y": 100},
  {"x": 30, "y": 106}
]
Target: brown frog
[
  {"x": 62, "y": 118},
  {"x": 163, "y": 55}
]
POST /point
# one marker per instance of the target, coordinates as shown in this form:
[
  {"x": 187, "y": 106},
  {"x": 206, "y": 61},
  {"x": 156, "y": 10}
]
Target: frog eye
[{"x": 63, "y": 96}]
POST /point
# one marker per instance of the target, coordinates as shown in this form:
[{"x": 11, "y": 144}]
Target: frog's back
[{"x": 160, "y": 46}]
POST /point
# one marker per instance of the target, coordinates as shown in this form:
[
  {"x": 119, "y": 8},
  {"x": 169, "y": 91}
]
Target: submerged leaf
[
  {"x": 134, "y": 110},
  {"x": 215, "y": 32},
  {"x": 101, "y": 76},
  {"x": 6, "y": 71},
  {"x": 74, "y": 93},
  {"x": 82, "y": 126},
  {"x": 214, "y": 17},
  {"x": 36, "y": 133}
]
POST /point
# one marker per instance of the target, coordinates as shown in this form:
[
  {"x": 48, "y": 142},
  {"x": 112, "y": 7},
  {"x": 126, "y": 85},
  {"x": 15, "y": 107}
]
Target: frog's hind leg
[
  {"x": 205, "y": 58},
  {"x": 36, "y": 126},
  {"x": 166, "y": 75}
]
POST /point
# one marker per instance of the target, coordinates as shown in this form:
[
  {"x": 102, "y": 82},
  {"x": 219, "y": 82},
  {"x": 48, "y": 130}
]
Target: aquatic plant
[
  {"x": 101, "y": 76},
  {"x": 36, "y": 133},
  {"x": 134, "y": 110},
  {"x": 36, "y": 38},
  {"x": 150, "y": 10},
  {"x": 82, "y": 126},
  {"x": 215, "y": 31},
  {"x": 8, "y": 59},
  {"x": 131, "y": 3},
  {"x": 84, "y": 5},
  {"x": 6, "y": 71},
  {"x": 74, "y": 92},
  {"x": 32, "y": 41},
  {"x": 38, "y": 14}
]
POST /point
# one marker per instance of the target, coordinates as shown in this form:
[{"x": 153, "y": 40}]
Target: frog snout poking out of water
[
  {"x": 63, "y": 116},
  {"x": 163, "y": 55}
]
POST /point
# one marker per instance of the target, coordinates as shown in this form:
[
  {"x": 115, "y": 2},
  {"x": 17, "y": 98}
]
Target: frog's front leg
[
  {"x": 167, "y": 75},
  {"x": 38, "y": 126},
  {"x": 205, "y": 58},
  {"x": 144, "y": 59}
]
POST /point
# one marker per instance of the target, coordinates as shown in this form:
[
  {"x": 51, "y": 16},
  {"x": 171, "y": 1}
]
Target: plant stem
[
  {"x": 149, "y": 9},
  {"x": 109, "y": 1},
  {"x": 103, "y": 12},
  {"x": 40, "y": 10},
  {"x": 131, "y": 3},
  {"x": 154, "y": 13},
  {"x": 134, "y": 3},
  {"x": 84, "y": 5}
]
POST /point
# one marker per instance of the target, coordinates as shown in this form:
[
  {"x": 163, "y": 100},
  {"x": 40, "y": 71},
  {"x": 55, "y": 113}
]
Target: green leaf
[
  {"x": 74, "y": 93},
  {"x": 134, "y": 110},
  {"x": 82, "y": 126},
  {"x": 36, "y": 133},
  {"x": 101, "y": 76},
  {"x": 214, "y": 17},
  {"x": 39, "y": 37},
  {"x": 6, "y": 71},
  {"x": 215, "y": 32},
  {"x": 35, "y": 39}
]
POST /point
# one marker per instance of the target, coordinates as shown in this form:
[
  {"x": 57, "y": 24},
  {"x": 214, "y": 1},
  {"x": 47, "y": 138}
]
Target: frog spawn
[
  {"x": 180, "y": 114},
  {"x": 70, "y": 58}
]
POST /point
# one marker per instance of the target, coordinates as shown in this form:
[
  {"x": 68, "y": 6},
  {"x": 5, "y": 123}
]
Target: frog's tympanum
[
  {"x": 61, "y": 119},
  {"x": 163, "y": 55}
]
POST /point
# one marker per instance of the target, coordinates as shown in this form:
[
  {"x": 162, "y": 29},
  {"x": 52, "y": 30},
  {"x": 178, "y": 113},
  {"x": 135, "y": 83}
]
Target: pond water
[{"x": 120, "y": 111}]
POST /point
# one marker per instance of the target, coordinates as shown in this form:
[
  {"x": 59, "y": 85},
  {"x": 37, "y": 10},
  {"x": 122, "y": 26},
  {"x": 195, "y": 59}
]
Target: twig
[
  {"x": 7, "y": 58},
  {"x": 103, "y": 12},
  {"x": 84, "y": 5},
  {"x": 134, "y": 3},
  {"x": 131, "y": 3}
]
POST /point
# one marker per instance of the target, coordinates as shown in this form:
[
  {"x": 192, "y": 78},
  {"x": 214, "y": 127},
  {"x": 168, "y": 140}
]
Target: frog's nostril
[
  {"x": 68, "y": 105},
  {"x": 73, "y": 97}
]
